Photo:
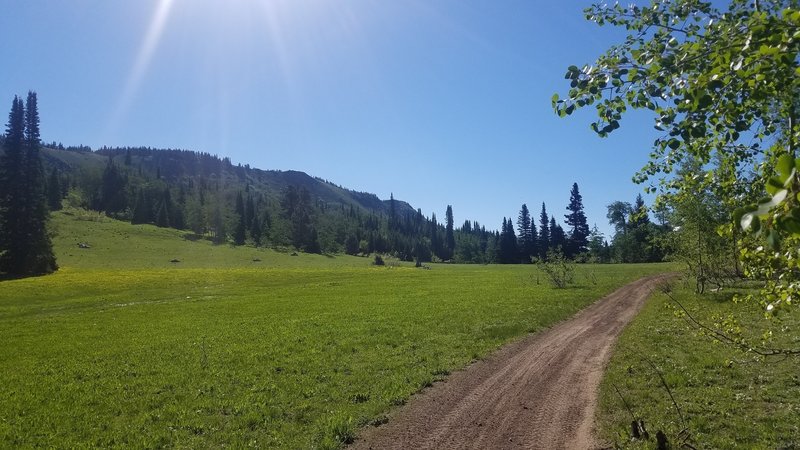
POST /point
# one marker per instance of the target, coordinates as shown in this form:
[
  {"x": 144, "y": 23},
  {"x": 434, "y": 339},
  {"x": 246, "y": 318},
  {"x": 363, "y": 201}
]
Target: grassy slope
[
  {"x": 123, "y": 348},
  {"x": 729, "y": 399}
]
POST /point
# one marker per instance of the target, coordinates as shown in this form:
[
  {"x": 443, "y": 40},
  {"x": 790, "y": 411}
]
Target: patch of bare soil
[{"x": 537, "y": 393}]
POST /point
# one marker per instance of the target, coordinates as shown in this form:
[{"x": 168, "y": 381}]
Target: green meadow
[
  {"x": 242, "y": 346},
  {"x": 724, "y": 397}
]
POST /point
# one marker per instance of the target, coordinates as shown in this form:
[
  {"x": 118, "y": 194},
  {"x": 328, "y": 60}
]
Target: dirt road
[{"x": 537, "y": 393}]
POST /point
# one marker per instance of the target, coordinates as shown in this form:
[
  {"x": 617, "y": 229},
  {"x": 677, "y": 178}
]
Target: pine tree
[
  {"x": 142, "y": 209},
  {"x": 220, "y": 234},
  {"x": 450, "y": 240},
  {"x": 255, "y": 231},
  {"x": 525, "y": 233},
  {"x": 249, "y": 210},
  {"x": 436, "y": 242},
  {"x": 40, "y": 258},
  {"x": 576, "y": 220},
  {"x": 544, "y": 233},
  {"x": 162, "y": 216},
  {"x": 239, "y": 231},
  {"x": 54, "y": 191},
  {"x": 392, "y": 212},
  {"x": 239, "y": 204},
  {"x": 508, "y": 252},
  {"x": 13, "y": 184},
  {"x": 558, "y": 238},
  {"x": 112, "y": 190},
  {"x": 25, "y": 247}
]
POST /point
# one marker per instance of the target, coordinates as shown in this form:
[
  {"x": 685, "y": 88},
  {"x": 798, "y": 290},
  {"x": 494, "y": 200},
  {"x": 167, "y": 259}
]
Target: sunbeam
[{"x": 141, "y": 64}]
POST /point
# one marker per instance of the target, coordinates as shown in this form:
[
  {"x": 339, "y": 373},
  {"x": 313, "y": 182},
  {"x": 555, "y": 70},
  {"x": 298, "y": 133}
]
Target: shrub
[{"x": 558, "y": 269}]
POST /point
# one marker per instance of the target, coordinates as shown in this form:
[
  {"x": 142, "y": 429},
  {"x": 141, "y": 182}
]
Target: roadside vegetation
[
  {"x": 720, "y": 81},
  {"x": 724, "y": 396}
]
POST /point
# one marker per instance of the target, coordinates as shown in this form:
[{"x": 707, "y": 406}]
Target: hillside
[
  {"x": 176, "y": 165},
  {"x": 226, "y": 203}
]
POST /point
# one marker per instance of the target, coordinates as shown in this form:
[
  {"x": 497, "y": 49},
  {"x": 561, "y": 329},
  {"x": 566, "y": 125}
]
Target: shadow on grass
[{"x": 11, "y": 277}]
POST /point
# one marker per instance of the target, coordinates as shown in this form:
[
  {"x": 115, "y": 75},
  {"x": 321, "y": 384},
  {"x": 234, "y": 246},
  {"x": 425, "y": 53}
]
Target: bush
[{"x": 559, "y": 270}]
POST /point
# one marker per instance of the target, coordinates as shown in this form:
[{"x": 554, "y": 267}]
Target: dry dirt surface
[{"x": 537, "y": 393}]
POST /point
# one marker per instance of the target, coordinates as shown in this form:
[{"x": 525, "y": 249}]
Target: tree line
[{"x": 211, "y": 198}]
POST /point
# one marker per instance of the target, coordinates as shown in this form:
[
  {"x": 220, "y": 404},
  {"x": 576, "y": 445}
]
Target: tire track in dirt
[{"x": 537, "y": 393}]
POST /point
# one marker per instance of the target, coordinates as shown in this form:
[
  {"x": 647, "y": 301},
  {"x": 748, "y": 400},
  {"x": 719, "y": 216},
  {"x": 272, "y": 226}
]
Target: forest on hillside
[{"x": 211, "y": 198}]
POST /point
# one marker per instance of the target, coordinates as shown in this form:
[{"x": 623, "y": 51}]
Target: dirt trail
[{"x": 537, "y": 393}]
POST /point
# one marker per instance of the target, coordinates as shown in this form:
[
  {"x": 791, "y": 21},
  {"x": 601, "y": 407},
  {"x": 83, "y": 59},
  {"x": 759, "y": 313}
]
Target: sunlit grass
[
  {"x": 728, "y": 398},
  {"x": 292, "y": 352}
]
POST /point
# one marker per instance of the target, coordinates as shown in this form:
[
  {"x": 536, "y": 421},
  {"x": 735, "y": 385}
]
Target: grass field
[
  {"x": 123, "y": 348},
  {"x": 728, "y": 398}
]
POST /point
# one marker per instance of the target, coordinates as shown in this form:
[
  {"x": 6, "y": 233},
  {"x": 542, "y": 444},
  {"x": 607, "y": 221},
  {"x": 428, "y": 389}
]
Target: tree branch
[{"x": 722, "y": 337}]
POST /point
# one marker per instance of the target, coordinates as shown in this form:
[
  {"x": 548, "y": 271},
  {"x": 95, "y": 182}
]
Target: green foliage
[
  {"x": 54, "y": 194},
  {"x": 221, "y": 350},
  {"x": 544, "y": 233},
  {"x": 507, "y": 250},
  {"x": 699, "y": 239},
  {"x": 25, "y": 247},
  {"x": 112, "y": 197},
  {"x": 723, "y": 87},
  {"x": 639, "y": 240},
  {"x": 579, "y": 227},
  {"x": 526, "y": 230},
  {"x": 729, "y": 398},
  {"x": 559, "y": 270}
]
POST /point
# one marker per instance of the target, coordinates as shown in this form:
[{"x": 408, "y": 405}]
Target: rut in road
[{"x": 537, "y": 393}]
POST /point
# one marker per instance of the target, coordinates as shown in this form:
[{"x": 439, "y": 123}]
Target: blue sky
[{"x": 437, "y": 101}]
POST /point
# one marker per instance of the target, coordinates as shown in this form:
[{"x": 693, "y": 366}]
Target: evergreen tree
[
  {"x": 164, "y": 210},
  {"x": 12, "y": 181},
  {"x": 558, "y": 238},
  {"x": 54, "y": 191},
  {"x": 450, "y": 240},
  {"x": 220, "y": 235},
  {"x": 525, "y": 230},
  {"x": 508, "y": 252},
  {"x": 239, "y": 204},
  {"x": 544, "y": 233},
  {"x": 25, "y": 247},
  {"x": 239, "y": 231},
  {"x": 249, "y": 211},
  {"x": 195, "y": 219},
  {"x": 39, "y": 258},
  {"x": 351, "y": 244},
  {"x": 576, "y": 220},
  {"x": 112, "y": 190},
  {"x": 142, "y": 209},
  {"x": 392, "y": 212},
  {"x": 255, "y": 231},
  {"x": 298, "y": 211},
  {"x": 162, "y": 216},
  {"x": 436, "y": 242}
]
